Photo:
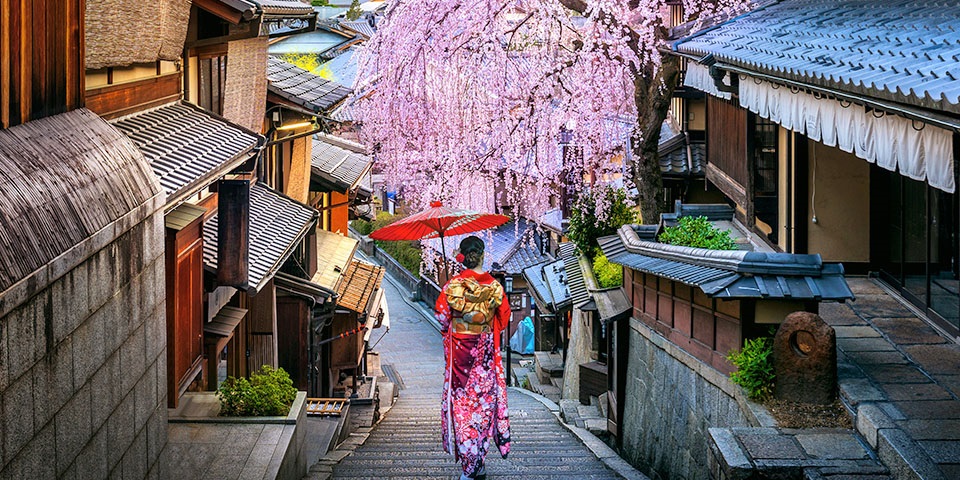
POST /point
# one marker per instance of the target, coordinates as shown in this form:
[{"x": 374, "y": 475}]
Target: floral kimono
[{"x": 472, "y": 311}]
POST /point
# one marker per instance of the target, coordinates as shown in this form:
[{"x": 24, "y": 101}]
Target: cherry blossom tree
[{"x": 465, "y": 98}]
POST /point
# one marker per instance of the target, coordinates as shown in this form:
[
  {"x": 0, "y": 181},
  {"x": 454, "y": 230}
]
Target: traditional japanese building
[{"x": 832, "y": 127}]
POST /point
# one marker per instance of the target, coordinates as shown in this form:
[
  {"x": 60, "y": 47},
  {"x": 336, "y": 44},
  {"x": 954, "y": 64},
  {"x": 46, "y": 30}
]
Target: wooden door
[{"x": 184, "y": 309}]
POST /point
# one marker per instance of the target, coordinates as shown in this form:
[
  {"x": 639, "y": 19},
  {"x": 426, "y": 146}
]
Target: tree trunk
[{"x": 653, "y": 94}]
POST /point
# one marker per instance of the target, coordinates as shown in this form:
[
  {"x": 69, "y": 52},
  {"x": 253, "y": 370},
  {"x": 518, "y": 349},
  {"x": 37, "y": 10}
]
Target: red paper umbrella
[{"x": 438, "y": 221}]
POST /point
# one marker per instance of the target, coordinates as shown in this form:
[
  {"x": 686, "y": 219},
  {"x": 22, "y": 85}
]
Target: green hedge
[
  {"x": 697, "y": 232},
  {"x": 608, "y": 274},
  {"x": 406, "y": 253}
]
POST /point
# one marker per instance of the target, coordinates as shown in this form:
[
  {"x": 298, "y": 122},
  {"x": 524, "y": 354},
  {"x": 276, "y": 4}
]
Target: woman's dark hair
[{"x": 472, "y": 250}]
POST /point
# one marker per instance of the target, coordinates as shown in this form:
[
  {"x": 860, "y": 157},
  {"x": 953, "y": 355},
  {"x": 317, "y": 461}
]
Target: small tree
[
  {"x": 354, "y": 12},
  {"x": 597, "y": 214}
]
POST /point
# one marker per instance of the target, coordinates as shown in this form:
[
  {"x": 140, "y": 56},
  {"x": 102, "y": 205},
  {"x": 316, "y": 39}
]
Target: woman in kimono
[{"x": 472, "y": 310}]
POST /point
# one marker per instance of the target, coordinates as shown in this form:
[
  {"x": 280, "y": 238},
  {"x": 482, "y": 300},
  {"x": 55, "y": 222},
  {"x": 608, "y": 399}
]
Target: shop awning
[
  {"x": 277, "y": 226},
  {"x": 334, "y": 254},
  {"x": 224, "y": 322},
  {"x": 323, "y": 296},
  {"x": 188, "y": 147},
  {"x": 359, "y": 283}
]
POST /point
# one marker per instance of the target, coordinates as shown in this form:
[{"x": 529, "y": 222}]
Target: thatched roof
[
  {"x": 123, "y": 32},
  {"x": 62, "y": 180}
]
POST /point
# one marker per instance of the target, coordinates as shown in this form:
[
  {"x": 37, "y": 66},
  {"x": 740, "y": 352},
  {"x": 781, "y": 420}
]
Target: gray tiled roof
[
  {"x": 361, "y": 26},
  {"x": 338, "y": 162},
  {"x": 303, "y": 88},
  {"x": 508, "y": 245},
  {"x": 730, "y": 274},
  {"x": 575, "y": 282},
  {"x": 277, "y": 225},
  {"x": 538, "y": 286},
  {"x": 907, "y": 51},
  {"x": 553, "y": 220},
  {"x": 187, "y": 147},
  {"x": 281, "y": 7},
  {"x": 672, "y": 148}
]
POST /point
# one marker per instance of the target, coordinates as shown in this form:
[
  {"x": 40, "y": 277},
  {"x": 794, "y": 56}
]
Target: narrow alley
[{"x": 406, "y": 444}]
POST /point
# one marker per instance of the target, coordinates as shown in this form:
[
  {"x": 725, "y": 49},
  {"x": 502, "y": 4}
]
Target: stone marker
[{"x": 805, "y": 360}]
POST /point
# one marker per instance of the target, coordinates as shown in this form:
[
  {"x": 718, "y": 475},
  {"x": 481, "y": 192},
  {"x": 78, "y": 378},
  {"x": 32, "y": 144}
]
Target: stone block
[
  {"x": 915, "y": 391},
  {"x": 864, "y": 345},
  {"x": 120, "y": 431},
  {"x": 155, "y": 328},
  {"x": 109, "y": 313},
  {"x": 908, "y": 331},
  {"x": 26, "y": 341},
  {"x": 35, "y": 460},
  {"x": 4, "y": 358},
  {"x": 894, "y": 374},
  {"x": 72, "y": 427},
  {"x": 156, "y": 433},
  {"x": 18, "y": 426},
  {"x": 860, "y": 390},
  {"x": 936, "y": 359},
  {"x": 104, "y": 382},
  {"x": 870, "y": 420},
  {"x": 145, "y": 396},
  {"x": 874, "y": 358},
  {"x": 135, "y": 459},
  {"x": 88, "y": 349},
  {"x": 904, "y": 457},
  {"x": 728, "y": 455},
  {"x": 805, "y": 359},
  {"x": 942, "y": 451},
  {"x": 832, "y": 446},
  {"x": 770, "y": 446},
  {"x": 100, "y": 287},
  {"x": 132, "y": 360},
  {"x": 856, "y": 331},
  {"x": 53, "y": 382},
  {"x": 68, "y": 306},
  {"x": 934, "y": 409},
  {"x": 928, "y": 429}
]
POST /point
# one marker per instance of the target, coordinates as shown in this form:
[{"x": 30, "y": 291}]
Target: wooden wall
[
  {"x": 41, "y": 59},
  {"x": 727, "y": 148},
  {"x": 704, "y": 327},
  {"x": 184, "y": 282}
]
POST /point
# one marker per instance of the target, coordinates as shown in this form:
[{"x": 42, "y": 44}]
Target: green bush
[
  {"x": 754, "y": 364},
  {"x": 586, "y": 227},
  {"x": 608, "y": 274},
  {"x": 363, "y": 227},
  {"x": 268, "y": 392},
  {"x": 406, "y": 253},
  {"x": 697, "y": 232}
]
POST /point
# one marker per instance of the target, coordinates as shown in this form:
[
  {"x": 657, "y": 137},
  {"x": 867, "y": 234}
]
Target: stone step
[{"x": 548, "y": 365}]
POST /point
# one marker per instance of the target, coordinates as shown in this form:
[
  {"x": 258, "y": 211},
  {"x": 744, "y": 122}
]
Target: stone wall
[
  {"x": 672, "y": 398},
  {"x": 83, "y": 367}
]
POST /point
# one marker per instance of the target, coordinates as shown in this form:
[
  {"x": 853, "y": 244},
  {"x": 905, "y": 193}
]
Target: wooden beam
[{"x": 112, "y": 101}]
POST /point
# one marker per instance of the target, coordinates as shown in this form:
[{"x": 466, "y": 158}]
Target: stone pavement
[
  {"x": 903, "y": 381},
  {"x": 406, "y": 444}
]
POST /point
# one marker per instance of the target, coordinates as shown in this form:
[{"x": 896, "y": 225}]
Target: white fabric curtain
[
  {"x": 891, "y": 141},
  {"x": 698, "y": 77}
]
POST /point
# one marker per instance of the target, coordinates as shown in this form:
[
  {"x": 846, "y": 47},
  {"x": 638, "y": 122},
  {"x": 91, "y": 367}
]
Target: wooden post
[{"x": 233, "y": 211}]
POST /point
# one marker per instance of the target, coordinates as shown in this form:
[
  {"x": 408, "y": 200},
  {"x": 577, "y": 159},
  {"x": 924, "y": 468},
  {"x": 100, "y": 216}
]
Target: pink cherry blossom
[{"x": 469, "y": 101}]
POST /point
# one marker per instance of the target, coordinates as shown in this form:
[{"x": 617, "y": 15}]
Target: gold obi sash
[
  {"x": 477, "y": 302},
  {"x": 471, "y": 322}
]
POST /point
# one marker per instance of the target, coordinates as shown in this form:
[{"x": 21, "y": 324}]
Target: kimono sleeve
[
  {"x": 502, "y": 317},
  {"x": 442, "y": 312}
]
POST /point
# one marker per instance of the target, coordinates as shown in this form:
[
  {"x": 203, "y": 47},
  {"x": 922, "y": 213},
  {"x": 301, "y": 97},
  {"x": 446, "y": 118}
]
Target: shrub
[
  {"x": 363, "y": 227},
  {"x": 268, "y": 392},
  {"x": 586, "y": 226},
  {"x": 754, "y": 364},
  {"x": 697, "y": 232},
  {"x": 608, "y": 274}
]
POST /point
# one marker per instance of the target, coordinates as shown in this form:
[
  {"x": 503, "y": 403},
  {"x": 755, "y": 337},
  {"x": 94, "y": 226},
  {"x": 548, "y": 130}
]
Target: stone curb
[{"x": 602, "y": 451}]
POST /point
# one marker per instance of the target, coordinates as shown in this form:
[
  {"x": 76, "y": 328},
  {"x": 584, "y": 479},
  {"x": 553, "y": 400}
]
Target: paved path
[
  {"x": 406, "y": 444},
  {"x": 903, "y": 379}
]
